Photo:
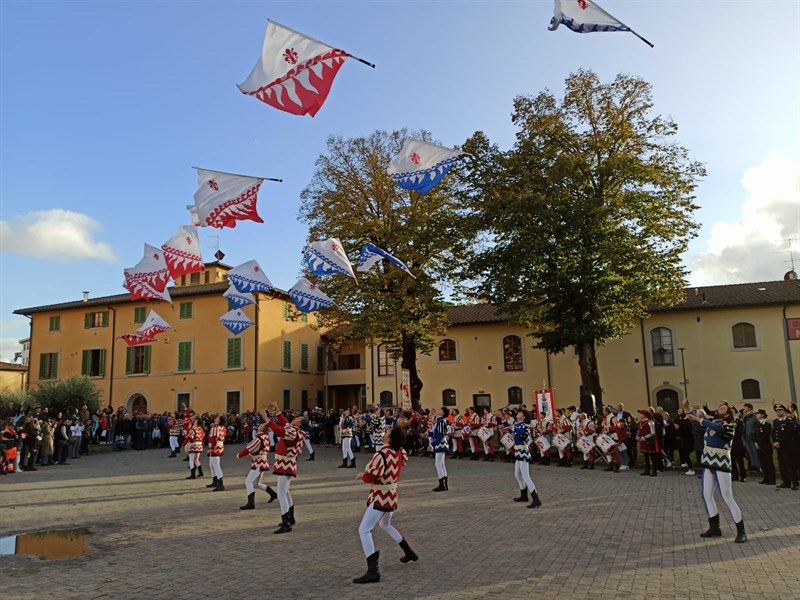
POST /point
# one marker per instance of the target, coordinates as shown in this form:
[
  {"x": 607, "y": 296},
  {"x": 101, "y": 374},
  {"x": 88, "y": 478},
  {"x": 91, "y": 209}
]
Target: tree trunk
[
  {"x": 410, "y": 362},
  {"x": 590, "y": 377}
]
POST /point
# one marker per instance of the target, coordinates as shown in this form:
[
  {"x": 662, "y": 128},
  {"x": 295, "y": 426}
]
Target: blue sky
[{"x": 106, "y": 106}]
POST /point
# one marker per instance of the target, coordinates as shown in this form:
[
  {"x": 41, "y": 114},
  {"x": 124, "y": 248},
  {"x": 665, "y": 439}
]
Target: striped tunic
[
  {"x": 194, "y": 439},
  {"x": 216, "y": 440},
  {"x": 346, "y": 425},
  {"x": 383, "y": 473},
  {"x": 289, "y": 446},
  {"x": 438, "y": 436},
  {"x": 257, "y": 449},
  {"x": 522, "y": 441},
  {"x": 717, "y": 445}
]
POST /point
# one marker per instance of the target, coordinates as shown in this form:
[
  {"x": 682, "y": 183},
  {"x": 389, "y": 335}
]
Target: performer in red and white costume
[
  {"x": 290, "y": 445},
  {"x": 258, "y": 450},
  {"x": 586, "y": 428},
  {"x": 194, "y": 447},
  {"x": 186, "y": 424},
  {"x": 565, "y": 427},
  {"x": 175, "y": 426},
  {"x": 489, "y": 421},
  {"x": 474, "y": 422},
  {"x": 383, "y": 474},
  {"x": 216, "y": 448},
  {"x": 610, "y": 426}
]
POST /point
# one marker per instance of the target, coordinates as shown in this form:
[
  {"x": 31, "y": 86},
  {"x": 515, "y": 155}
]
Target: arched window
[
  {"x": 744, "y": 335},
  {"x": 447, "y": 350},
  {"x": 512, "y": 353},
  {"x": 386, "y": 399},
  {"x": 138, "y": 404},
  {"x": 515, "y": 395},
  {"x": 385, "y": 361},
  {"x": 661, "y": 344},
  {"x": 448, "y": 397},
  {"x": 751, "y": 389}
]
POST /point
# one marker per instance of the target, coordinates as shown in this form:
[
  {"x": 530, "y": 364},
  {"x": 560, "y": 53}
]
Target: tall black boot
[
  {"x": 271, "y": 493},
  {"x": 285, "y": 526},
  {"x": 535, "y": 501},
  {"x": 446, "y": 487},
  {"x": 344, "y": 464},
  {"x": 199, "y": 471},
  {"x": 172, "y": 454},
  {"x": 352, "y": 464},
  {"x": 523, "y": 495},
  {"x": 186, "y": 459},
  {"x": 713, "y": 528},
  {"x": 373, "y": 575},
  {"x": 220, "y": 487},
  {"x": 213, "y": 483},
  {"x": 310, "y": 457},
  {"x": 410, "y": 555},
  {"x": 192, "y": 476},
  {"x": 251, "y": 502},
  {"x": 291, "y": 515},
  {"x": 440, "y": 487},
  {"x": 741, "y": 536}
]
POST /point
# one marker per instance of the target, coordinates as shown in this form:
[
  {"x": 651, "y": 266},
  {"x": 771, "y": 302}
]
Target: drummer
[
  {"x": 609, "y": 426},
  {"x": 564, "y": 427},
  {"x": 587, "y": 431},
  {"x": 548, "y": 431}
]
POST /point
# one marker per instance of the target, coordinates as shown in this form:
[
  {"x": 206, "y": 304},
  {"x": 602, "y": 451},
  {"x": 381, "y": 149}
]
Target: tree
[
  {"x": 352, "y": 197},
  {"x": 585, "y": 219},
  {"x": 67, "y": 395}
]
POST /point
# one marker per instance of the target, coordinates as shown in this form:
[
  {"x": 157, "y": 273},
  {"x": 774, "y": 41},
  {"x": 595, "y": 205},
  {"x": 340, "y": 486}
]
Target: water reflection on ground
[{"x": 48, "y": 545}]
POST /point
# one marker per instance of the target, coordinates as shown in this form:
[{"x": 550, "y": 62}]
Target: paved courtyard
[{"x": 598, "y": 535}]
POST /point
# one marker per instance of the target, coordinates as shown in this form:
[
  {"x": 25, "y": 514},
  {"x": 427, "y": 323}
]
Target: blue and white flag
[
  {"x": 586, "y": 16},
  {"x": 420, "y": 165},
  {"x": 236, "y": 321},
  {"x": 238, "y": 299},
  {"x": 248, "y": 277},
  {"x": 371, "y": 254},
  {"x": 328, "y": 258},
  {"x": 308, "y": 297}
]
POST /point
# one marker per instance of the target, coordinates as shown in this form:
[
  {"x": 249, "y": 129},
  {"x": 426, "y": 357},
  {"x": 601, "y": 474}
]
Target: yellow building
[
  {"x": 13, "y": 376},
  {"x": 728, "y": 342},
  {"x": 198, "y": 362}
]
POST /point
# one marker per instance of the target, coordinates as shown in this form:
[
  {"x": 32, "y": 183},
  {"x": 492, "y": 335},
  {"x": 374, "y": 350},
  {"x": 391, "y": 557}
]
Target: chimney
[{"x": 85, "y": 296}]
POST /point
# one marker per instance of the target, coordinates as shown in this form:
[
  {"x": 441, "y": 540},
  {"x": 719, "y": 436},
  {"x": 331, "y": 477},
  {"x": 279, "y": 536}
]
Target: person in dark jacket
[
  {"x": 764, "y": 446},
  {"x": 738, "y": 472},
  {"x": 784, "y": 438},
  {"x": 750, "y": 425}
]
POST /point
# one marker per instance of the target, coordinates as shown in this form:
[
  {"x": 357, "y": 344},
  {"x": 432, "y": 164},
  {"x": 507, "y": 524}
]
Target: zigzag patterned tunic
[
  {"x": 717, "y": 445},
  {"x": 289, "y": 446},
  {"x": 383, "y": 473}
]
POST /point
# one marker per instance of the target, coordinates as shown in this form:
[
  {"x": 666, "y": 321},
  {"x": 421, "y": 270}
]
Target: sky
[{"x": 105, "y": 107}]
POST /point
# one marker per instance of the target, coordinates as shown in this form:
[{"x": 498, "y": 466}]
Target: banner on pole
[
  {"x": 405, "y": 390},
  {"x": 545, "y": 405}
]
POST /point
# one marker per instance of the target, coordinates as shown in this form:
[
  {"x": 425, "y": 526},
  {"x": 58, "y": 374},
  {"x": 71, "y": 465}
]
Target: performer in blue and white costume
[
  {"x": 378, "y": 424},
  {"x": 441, "y": 446},
  {"x": 522, "y": 458},
  {"x": 716, "y": 463}
]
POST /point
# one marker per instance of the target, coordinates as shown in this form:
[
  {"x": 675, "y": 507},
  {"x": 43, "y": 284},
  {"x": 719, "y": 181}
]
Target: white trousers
[
  {"x": 216, "y": 470},
  {"x": 194, "y": 460},
  {"x": 713, "y": 480},
  {"x": 347, "y": 452},
  {"x": 522, "y": 472},
  {"x": 254, "y": 477},
  {"x": 473, "y": 444},
  {"x": 284, "y": 495},
  {"x": 441, "y": 470},
  {"x": 371, "y": 518},
  {"x": 309, "y": 446},
  {"x": 173, "y": 443}
]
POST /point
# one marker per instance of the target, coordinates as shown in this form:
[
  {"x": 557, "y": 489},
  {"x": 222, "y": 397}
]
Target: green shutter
[
  {"x": 87, "y": 321},
  {"x": 105, "y": 318},
  {"x": 234, "y": 353},
  {"x": 186, "y": 310},
  {"x": 320, "y": 359},
  {"x": 184, "y": 356},
  {"x": 102, "y": 363},
  {"x": 304, "y": 318},
  {"x": 304, "y": 357},
  {"x": 85, "y": 358},
  {"x": 287, "y": 355},
  {"x": 42, "y": 371},
  {"x": 54, "y": 365},
  {"x": 147, "y": 359},
  {"x": 287, "y": 311},
  {"x": 139, "y": 314},
  {"x": 55, "y": 323},
  {"x": 128, "y": 360}
]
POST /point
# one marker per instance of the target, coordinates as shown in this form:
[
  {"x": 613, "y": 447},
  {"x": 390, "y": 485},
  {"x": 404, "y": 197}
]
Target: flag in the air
[
  {"x": 236, "y": 321},
  {"x": 308, "y": 297},
  {"x": 371, "y": 254},
  {"x": 238, "y": 299},
  {"x": 136, "y": 339},
  {"x": 586, "y": 16},
  {"x": 153, "y": 325},
  {"x": 182, "y": 252},
  {"x": 248, "y": 277},
  {"x": 193, "y": 215},
  {"x": 148, "y": 279},
  {"x": 328, "y": 258},
  {"x": 295, "y": 72},
  {"x": 421, "y": 165},
  {"x": 222, "y": 199}
]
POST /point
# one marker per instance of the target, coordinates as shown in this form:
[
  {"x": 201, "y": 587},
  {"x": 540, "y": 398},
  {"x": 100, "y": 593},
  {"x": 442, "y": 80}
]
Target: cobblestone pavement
[{"x": 598, "y": 535}]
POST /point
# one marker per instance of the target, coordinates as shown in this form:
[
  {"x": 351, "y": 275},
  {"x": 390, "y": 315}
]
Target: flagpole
[
  {"x": 602, "y": 10},
  {"x": 361, "y": 60},
  {"x": 305, "y": 35},
  {"x": 240, "y": 175}
]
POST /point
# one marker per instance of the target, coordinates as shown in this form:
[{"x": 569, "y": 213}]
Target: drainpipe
[
  {"x": 792, "y": 388},
  {"x": 372, "y": 371},
  {"x": 644, "y": 355},
  {"x": 113, "y": 344},
  {"x": 30, "y": 351},
  {"x": 255, "y": 355}
]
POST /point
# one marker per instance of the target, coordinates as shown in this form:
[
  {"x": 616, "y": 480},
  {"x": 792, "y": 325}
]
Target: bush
[
  {"x": 20, "y": 398},
  {"x": 67, "y": 395}
]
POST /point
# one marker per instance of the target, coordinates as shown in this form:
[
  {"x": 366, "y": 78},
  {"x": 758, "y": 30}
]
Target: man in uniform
[
  {"x": 764, "y": 447},
  {"x": 784, "y": 438}
]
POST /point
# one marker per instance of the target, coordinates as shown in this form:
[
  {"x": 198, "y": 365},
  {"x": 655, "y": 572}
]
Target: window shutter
[
  {"x": 287, "y": 311},
  {"x": 87, "y": 321},
  {"x": 54, "y": 365},
  {"x": 85, "y": 362},
  {"x": 102, "y": 363},
  {"x": 147, "y": 359},
  {"x": 42, "y": 366},
  {"x": 304, "y": 357},
  {"x": 184, "y": 356},
  {"x": 287, "y": 355},
  {"x": 320, "y": 359},
  {"x": 128, "y": 360},
  {"x": 105, "y": 318}
]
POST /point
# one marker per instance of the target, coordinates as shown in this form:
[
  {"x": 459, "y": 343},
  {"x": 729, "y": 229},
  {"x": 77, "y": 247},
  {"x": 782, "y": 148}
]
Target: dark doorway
[
  {"x": 481, "y": 401},
  {"x": 668, "y": 400}
]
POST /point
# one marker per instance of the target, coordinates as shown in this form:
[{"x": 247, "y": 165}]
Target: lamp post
[{"x": 683, "y": 366}]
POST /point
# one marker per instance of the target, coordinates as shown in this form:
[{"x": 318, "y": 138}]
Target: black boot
[
  {"x": 291, "y": 515},
  {"x": 741, "y": 536},
  {"x": 410, "y": 555},
  {"x": 562, "y": 462},
  {"x": 251, "y": 502},
  {"x": 440, "y": 487},
  {"x": 344, "y": 464},
  {"x": 446, "y": 487},
  {"x": 199, "y": 471},
  {"x": 523, "y": 495},
  {"x": 535, "y": 501},
  {"x": 591, "y": 465},
  {"x": 713, "y": 528},
  {"x": 285, "y": 526},
  {"x": 271, "y": 493},
  {"x": 192, "y": 476},
  {"x": 585, "y": 465},
  {"x": 475, "y": 456},
  {"x": 172, "y": 455},
  {"x": 186, "y": 459},
  {"x": 373, "y": 575},
  {"x": 220, "y": 487},
  {"x": 616, "y": 467},
  {"x": 311, "y": 457},
  {"x": 352, "y": 464},
  {"x": 645, "y": 472},
  {"x": 213, "y": 483},
  {"x": 654, "y": 473},
  {"x": 609, "y": 468}
]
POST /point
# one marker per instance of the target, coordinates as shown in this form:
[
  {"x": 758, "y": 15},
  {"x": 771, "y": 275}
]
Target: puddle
[{"x": 48, "y": 545}]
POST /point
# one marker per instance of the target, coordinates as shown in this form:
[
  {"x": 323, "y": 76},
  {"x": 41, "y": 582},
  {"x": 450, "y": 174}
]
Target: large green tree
[
  {"x": 584, "y": 220},
  {"x": 352, "y": 197}
]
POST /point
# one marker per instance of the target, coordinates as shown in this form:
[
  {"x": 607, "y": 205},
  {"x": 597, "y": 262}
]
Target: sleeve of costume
[
  {"x": 374, "y": 468},
  {"x": 278, "y": 429}
]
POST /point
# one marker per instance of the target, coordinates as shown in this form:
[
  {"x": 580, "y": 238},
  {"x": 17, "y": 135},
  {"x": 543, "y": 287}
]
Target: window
[
  {"x": 186, "y": 309},
  {"x": 206, "y": 277},
  {"x": 287, "y": 399},
  {"x": 233, "y": 402},
  {"x": 234, "y": 353},
  {"x": 95, "y": 319},
  {"x": 304, "y": 357},
  {"x": 661, "y": 345},
  {"x": 287, "y": 356},
  {"x": 349, "y": 361},
  {"x": 139, "y": 314},
  {"x": 744, "y": 335},
  {"x": 287, "y": 311},
  {"x": 182, "y": 398},
  {"x": 385, "y": 361},
  {"x": 184, "y": 356},
  {"x": 448, "y": 397},
  {"x": 386, "y": 399},
  {"x": 515, "y": 395},
  {"x": 48, "y": 365},
  {"x": 194, "y": 278},
  {"x": 447, "y": 350},
  {"x": 320, "y": 359},
  {"x": 512, "y": 353},
  {"x": 751, "y": 389},
  {"x": 93, "y": 363},
  {"x": 55, "y": 323},
  {"x": 137, "y": 361}
]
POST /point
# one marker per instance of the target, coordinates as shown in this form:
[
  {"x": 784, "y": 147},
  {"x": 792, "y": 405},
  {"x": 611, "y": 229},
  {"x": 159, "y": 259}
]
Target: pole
[
  {"x": 113, "y": 345},
  {"x": 685, "y": 384},
  {"x": 255, "y": 358}
]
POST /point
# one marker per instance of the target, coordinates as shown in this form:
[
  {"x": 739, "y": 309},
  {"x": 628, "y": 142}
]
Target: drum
[
  {"x": 561, "y": 441},
  {"x": 542, "y": 443},
  {"x": 484, "y": 433},
  {"x": 507, "y": 440},
  {"x": 466, "y": 432},
  {"x": 585, "y": 444},
  {"x": 606, "y": 443}
]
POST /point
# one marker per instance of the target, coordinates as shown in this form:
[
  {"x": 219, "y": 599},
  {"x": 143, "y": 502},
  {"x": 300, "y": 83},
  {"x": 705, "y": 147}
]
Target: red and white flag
[
  {"x": 153, "y": 325},
  {"x": 222, "y": 199},
  {"x": 136, "y": 339},
  {"x": 148, "y": 279},
  {"x": 182, "y": 252},
  {"x": 295, "y": 72}
]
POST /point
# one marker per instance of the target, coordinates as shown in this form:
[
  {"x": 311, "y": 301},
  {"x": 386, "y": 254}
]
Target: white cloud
[
  {"x": 750, "y": 248},
  {"x": 8, "y": 347},
  {"x": 55, "y": 233}
]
